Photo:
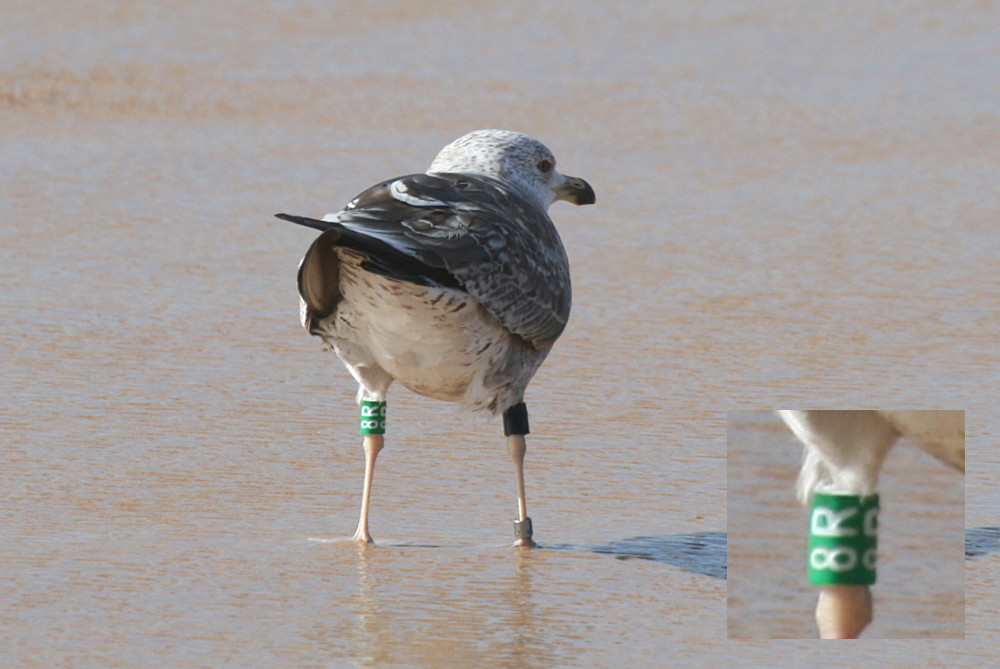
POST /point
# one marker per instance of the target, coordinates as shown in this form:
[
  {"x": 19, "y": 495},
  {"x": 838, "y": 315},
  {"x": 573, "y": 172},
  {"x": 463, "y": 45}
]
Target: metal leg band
[{"x": 522, "y": 529}]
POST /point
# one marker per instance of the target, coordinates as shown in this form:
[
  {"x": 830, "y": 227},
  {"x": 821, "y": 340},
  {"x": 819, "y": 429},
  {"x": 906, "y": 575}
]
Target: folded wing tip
[{"x": 305, "y": 221}]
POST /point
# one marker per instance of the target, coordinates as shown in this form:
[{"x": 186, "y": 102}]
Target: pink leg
[
  {"x": 843, "y": 611},
  {"x": 517, "y": 447},
  {"x": 373, "y": 443}
]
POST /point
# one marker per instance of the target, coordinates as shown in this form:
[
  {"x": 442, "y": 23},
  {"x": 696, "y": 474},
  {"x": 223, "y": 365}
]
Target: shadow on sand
[
  {"x": 981, "y": 540},
  {"x": 699, "y": 552}
]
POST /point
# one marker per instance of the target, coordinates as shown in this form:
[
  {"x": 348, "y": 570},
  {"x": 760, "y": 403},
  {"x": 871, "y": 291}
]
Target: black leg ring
[{"x": 515, "y": 420}]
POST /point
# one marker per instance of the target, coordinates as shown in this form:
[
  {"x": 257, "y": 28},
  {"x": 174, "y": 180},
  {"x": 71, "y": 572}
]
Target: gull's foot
[{"x": 363, "y": 537}]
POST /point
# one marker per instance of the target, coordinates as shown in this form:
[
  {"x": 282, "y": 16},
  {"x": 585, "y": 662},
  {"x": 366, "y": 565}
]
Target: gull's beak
[{"x": 575, "y": 190}]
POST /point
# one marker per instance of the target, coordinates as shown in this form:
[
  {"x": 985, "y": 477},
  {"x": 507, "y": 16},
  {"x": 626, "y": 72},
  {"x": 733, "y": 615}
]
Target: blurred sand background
[{"x": 797, "y": 205}]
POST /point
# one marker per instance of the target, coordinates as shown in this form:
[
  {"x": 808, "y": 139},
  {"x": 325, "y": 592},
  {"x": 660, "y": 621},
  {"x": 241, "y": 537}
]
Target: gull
[{"x": 453, "y": 282}]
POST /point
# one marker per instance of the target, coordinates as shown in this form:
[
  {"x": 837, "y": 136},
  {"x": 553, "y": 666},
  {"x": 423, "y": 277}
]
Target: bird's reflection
[
  {"x": 441, "y": 593},
  {"x": 369, "y": 627},
  {"x": 377, "y": 631},
  {"x": 527, "y": 641}
]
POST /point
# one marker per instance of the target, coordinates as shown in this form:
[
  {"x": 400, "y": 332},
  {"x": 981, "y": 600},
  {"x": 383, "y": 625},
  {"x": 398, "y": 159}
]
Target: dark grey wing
[
  {"x": 517, "y": 268},
  {"x": 498, "y": 246},
  {"x": 381, "y": 257}
]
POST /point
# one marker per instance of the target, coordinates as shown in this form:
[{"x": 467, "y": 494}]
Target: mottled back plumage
[
  {"x": 475, "y": 225},
  {"x": 464, "y": 231}
]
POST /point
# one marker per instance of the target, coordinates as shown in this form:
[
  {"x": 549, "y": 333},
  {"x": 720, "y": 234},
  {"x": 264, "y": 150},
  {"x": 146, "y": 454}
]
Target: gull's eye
[{"x": 544, "y": 165}]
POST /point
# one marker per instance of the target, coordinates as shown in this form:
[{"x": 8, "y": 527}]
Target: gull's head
[{"x": 516, "y": 159}]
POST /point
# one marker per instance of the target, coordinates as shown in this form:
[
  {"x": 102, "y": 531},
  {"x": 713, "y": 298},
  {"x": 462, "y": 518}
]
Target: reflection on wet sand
[
  {"x": 497, "y": 600},
  {"x": 395, "y": 623}
]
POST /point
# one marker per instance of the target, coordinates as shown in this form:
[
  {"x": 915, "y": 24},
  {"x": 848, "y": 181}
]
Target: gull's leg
[
  {"x": 373, "y": 443},
  {"x": 515, "y": 423},
  {"x": 522, "y": 526},
  {"x": 372, "y": 427},
  {"x": 843, "y": 611},
  {"x": 844, "y": 453}
]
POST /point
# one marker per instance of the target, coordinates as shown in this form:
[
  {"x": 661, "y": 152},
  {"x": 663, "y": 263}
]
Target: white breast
[{"x": 438, "y": 342}]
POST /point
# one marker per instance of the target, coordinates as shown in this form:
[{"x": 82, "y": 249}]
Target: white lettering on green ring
[
  {"x": 372, "y": 417},
  {"x": 843, "y": 533}
]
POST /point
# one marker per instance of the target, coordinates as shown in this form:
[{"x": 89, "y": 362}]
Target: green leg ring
[
  {"x": 372, "y": 417},
  {"x": 843, "y": 532}
]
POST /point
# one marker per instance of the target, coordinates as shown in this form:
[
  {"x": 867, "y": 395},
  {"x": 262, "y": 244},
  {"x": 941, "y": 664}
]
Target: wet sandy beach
[{"x": 795, "y": 206}]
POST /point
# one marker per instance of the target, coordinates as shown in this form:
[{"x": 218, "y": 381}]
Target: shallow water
[{"x": 796, "y": 206}]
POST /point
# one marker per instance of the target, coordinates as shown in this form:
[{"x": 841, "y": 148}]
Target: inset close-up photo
[{"x": 846, "y": 524}]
